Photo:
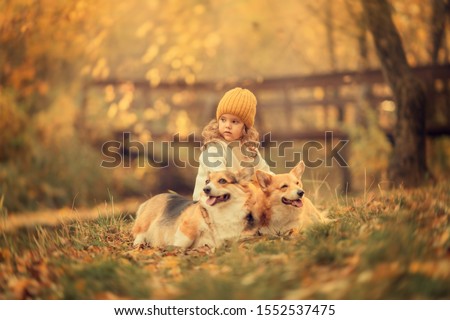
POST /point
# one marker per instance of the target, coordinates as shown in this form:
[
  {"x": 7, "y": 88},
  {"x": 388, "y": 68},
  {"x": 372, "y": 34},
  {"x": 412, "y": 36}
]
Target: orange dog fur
[{"x": 287, "y": 208}]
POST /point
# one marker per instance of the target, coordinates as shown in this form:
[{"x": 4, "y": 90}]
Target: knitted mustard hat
[{"x": 240, "y": 103}]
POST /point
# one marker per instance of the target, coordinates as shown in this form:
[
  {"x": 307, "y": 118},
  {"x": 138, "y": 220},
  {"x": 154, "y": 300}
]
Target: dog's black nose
[
  {"x": 300, "y": 193},
  {"x": 207, "y": 190}
]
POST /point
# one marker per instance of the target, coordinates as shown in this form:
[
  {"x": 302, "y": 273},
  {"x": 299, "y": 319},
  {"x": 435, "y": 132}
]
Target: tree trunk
[
  {"x": 408, "y": 163},
  {"x": 440, "y": 11}
]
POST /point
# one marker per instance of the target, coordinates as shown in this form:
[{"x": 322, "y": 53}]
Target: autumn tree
[{"x": 408, "y": 163}]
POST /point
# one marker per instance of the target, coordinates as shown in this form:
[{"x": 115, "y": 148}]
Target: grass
[{"x": 390, "y": 245}]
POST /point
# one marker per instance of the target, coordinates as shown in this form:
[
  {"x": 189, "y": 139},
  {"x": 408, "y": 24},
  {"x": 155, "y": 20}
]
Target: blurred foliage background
[{"x": 68, "y": 74}]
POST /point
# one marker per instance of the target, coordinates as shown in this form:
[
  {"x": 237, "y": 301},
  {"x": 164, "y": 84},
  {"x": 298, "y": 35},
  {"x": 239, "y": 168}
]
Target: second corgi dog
[
  {"x": 288, "y": 208},
  {"x": 224, "y": 212}
]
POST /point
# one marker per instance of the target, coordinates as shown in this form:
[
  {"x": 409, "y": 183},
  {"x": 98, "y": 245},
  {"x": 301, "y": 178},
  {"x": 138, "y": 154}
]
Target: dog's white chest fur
[
  {"x": 228, "y": 222},
  {"x": 282, "y": 220}
]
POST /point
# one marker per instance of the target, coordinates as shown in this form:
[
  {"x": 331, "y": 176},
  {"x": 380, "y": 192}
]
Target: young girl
[{"x": 230, "y": 140}]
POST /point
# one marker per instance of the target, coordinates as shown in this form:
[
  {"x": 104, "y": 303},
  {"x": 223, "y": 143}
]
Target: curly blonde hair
[{"x": 211, "y": 132}]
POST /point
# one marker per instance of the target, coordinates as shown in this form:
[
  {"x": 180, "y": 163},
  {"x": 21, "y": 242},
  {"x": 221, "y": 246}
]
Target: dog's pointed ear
[
  {"x": 264, "y": 179},
  {"x": 298, "y": 169},
  {"x": 245, "y": 174}
]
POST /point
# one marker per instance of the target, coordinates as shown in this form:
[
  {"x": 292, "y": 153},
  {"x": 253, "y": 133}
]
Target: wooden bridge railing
[{"x": 285, "y": 101}]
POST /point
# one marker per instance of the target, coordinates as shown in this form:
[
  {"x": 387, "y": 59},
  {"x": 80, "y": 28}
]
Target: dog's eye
[
  {"x": 222, "y": 181},
  {"x": 284, "y": 186},
  {"x": 207, "y": 181}
]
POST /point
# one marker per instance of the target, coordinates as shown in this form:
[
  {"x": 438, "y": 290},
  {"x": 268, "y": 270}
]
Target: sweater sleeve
[
  {"x": 211, "y": 159},
  {"x": 262, "y": 165}
]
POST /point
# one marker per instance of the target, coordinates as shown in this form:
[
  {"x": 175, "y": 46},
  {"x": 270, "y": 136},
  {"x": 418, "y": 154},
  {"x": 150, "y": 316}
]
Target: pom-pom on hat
[{"x": 240, "y": 103}]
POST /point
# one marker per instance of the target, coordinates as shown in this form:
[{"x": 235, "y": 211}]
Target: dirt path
[{"x": 53, "y": 217}]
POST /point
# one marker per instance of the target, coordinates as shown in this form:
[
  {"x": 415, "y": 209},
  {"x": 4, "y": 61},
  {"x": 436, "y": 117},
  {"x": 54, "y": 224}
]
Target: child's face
[{"x": 231, "y": 128}]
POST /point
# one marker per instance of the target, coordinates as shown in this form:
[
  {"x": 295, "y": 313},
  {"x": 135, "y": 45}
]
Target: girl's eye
[
  {"x": 222, "y": 181},
  {"x": 284, "y": 186}
]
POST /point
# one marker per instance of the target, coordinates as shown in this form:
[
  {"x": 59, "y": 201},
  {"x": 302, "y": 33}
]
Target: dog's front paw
[{"x": 139, "y": 240}]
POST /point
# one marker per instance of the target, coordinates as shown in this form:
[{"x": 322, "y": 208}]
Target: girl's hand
[{"x": 249, "y": 149}]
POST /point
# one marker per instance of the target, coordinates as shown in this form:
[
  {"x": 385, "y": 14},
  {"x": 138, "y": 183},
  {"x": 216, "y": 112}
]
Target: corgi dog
[
  {"x": 225, "y": 211},
  {"x": 288, "y": 209}
]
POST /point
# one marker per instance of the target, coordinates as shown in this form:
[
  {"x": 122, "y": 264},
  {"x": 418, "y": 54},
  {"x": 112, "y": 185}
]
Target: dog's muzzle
[
  {"x": 213, "y": 200},
  {"x": 295, "y": 203}
]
